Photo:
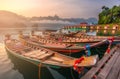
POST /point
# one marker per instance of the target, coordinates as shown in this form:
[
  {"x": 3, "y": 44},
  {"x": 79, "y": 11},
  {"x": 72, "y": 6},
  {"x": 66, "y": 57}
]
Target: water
[
  {"x": 15, "y": 68},
  {"x": 6, "y": 66}
]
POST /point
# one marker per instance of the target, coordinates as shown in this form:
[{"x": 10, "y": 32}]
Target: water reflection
[{"x": 6, "y": 66}]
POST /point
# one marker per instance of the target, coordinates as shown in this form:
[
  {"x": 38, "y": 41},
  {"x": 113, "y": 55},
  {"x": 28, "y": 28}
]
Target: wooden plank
[
  {"x": 95, "y": 69},
  {"x": 115, "y": 69},
  {"x": 43, "y": 57},
  {"x": 57, "y": 59},
  {"x": 105, "y": 71}
]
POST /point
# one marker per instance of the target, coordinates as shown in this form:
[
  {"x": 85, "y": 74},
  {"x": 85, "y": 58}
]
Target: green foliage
[{"x": 109, "y": 15}]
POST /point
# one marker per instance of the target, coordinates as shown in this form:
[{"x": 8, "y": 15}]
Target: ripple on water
[{"x": 6, "y": 66}]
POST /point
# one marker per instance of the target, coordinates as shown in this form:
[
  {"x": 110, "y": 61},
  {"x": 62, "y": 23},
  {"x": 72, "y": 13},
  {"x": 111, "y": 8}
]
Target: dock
[{"x": 107, "y": 68}]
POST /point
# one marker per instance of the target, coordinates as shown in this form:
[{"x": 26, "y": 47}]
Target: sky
[{"x": 62, "y": 8}]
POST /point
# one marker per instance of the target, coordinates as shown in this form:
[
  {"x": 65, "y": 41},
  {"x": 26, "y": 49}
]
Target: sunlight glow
[
  {"x": 19, "y": 6},
  {"x": 63, "y": 8}
]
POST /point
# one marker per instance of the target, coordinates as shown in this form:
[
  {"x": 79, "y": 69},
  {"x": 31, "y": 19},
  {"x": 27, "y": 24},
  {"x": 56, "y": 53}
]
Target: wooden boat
[
  {"x": 37, "y": 55},
  {"x": 73, "y": 40},
  {"x": 85, "y": 39},
  {"x": 78, "y": 38},
  {"x": 59, "y": 47},
  {"x": 71, "y": 34}
]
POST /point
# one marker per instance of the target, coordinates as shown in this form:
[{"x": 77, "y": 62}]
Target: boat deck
[{"x": 107, "y": 68}]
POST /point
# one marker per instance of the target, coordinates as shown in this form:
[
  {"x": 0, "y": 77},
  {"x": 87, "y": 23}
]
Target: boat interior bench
[
  {"x": 60, "y": 60},
  {"x": 35, "y": 53},
  {"x": 38, "y": 54},
  {"x": 107, "y": 68},
  {"x": 47, "y": 55}
]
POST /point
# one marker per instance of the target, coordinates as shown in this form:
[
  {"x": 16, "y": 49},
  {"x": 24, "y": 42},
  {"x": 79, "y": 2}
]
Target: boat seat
[
  {"x": 57, "y": 59},
  {"x": 28, "y": 54},
  {"x": 43, "y": 57},
  {"x": 41, "y": 53},
  {"x": 32, "y": 56}
]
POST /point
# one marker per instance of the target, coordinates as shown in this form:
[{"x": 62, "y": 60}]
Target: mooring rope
[
  {"x": 75, "y": 66},
  {"x": 39, "y": 69},
  {"x": 71, "y": 67}
]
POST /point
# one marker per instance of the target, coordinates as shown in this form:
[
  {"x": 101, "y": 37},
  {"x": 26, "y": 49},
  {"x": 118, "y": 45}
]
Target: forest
[{"x": 109, "y": 15}]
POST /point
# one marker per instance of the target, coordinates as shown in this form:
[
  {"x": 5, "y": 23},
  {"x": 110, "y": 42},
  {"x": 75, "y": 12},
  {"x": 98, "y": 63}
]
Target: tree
[
  {"x": 109, "y": 15},
  {"x": 104, "y": 8},
  {"x": 104, "y": 15}
]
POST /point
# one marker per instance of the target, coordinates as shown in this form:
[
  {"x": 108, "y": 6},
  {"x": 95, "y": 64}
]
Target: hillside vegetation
[{"x": 109, "y": 15}]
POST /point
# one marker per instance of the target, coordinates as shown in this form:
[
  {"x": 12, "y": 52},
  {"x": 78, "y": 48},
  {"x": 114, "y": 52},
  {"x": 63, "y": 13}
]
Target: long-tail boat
[
  {"x": 87, "y": 39},
  {"x": 59, "y": 47},
  {"x": 36, "y": 55},
  {"x": 83, "y": 38}
]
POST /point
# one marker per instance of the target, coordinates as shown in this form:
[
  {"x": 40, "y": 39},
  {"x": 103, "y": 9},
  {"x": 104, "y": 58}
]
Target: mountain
[
  {"x": 69, "y": 20},
  {"x": 10, "y": 19}
]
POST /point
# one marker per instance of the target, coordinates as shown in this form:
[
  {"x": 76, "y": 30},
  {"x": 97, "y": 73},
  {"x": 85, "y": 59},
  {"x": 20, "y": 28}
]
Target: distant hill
[
  {"x": 71, "y": 20},
  {"x": 10, "y": 19},
  {"x": 13, "y": 20}
]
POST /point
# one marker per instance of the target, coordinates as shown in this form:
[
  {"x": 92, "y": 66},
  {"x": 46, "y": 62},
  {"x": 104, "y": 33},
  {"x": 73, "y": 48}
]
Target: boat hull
[
  {"x": 65, "y": 50},
  {"x": 32, "y": 61}
]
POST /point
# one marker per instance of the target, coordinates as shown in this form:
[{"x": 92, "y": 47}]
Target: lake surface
[{"x": 15, "y": 68}]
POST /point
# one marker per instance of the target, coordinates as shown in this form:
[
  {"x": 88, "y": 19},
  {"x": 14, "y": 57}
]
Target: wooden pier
[{"x": 107, "y": 68}]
